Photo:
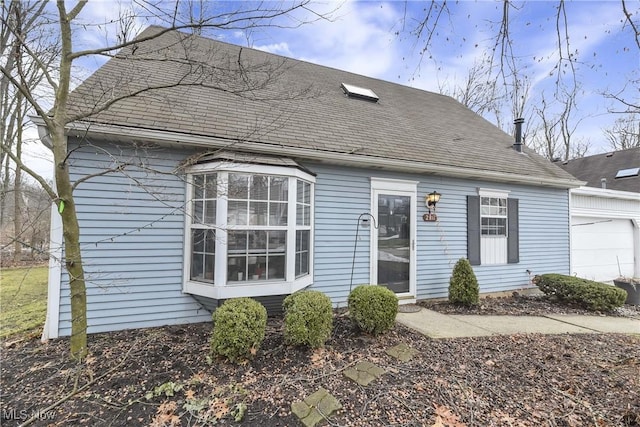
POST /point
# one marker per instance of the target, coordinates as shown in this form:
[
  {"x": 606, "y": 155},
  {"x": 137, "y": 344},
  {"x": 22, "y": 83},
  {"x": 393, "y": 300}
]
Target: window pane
[
  {"x": 197, "y": 266},
  {"x": 258, "y": 268},
  {"x": 197, "y": 240},
  {"x": 236, "y": 268},
  {"x": 258, "y": 213},
  {"x": 275, "y": 267},
  {"x": 210, "y": 212},
  {"x": 307, "y": 216},
  {"x": 202, "y": 255},
  {"x": 303, "y": 192},
  {"x": 304, "y": 263},
  {"x": 209, "y": 264},
  {"x": 197, "y": 211},
  {"x": 278, "y": 213},
  {"x": 259, "y": 187},
  {"x": 279, "y": 188},
  {"x": 237, "y": 213},
  {"x": 198, "y": 185},
  {"x": 494, "y": 226},
  {"x": 211, "y": 187},
  {"x": 304, "y": 240},
  {"x": 299, "y": 214},
  {"x": 302, "y": 252},
  {"x": 238, "y": 186},
  {"x": 277, "y": 241},
  {"x": 237, "y": 242},
  {"x": 257, "y": 242}
]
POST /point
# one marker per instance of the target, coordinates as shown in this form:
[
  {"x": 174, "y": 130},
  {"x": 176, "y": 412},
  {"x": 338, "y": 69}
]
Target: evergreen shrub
[
  {"x": 308, "y": 318},
  {"x": 238, "y": 329},
  {"x": 591, "y": 295},
  {"x": 373, "y": 308},
  {"x": 463, "y": 285}
]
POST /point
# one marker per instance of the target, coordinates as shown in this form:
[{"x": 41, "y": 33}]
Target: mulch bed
[
  {"x": 163, "y": 376},
  {"x": 524, "y": 305}
]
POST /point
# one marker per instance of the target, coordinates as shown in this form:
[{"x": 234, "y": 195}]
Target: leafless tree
[
  {"x": 478, "y": 91},
  {"x": 20, "y": 21},
  {"x": 511, "y": 81},
  {"x": 544, "y": 139},
  {"x": 194, "y": 17},
  {"x": 624, "y": 133}
]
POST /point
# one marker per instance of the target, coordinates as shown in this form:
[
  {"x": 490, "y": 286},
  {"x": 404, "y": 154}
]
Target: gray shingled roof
[
  {"x": 593, "y": 169},
  {"x": 302, "y": 106}
]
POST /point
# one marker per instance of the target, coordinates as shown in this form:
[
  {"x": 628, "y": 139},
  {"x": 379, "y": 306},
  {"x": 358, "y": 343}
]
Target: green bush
[
  {"x": 373, "y": 308},
  {"x": 463, "y": 285},
  {"x": 586, "y": 293},
  {"x": 238, "y": 329},
  {"x": 308, "y": 318}
]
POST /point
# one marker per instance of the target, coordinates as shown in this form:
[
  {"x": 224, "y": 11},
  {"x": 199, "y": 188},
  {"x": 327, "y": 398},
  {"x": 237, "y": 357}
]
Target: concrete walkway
[{"x": 438, "y": 325}]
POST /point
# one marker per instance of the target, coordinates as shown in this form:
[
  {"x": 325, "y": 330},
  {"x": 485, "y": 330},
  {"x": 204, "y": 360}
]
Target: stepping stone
[
  {"x": 402, "y": 352},
  {"x": 363, "y": 372},
  {"x": 316, "y": 407}
]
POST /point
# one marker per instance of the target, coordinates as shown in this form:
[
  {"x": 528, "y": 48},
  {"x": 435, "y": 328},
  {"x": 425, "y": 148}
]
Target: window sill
[{"x": 246, "y": 289}]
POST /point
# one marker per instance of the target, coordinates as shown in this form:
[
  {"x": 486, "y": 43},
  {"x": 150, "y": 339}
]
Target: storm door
[{"x": 393, "y": 242}]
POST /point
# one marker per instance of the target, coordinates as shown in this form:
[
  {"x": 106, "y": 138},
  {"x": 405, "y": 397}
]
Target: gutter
[
  {"x": 124, "y": 133},
  {"x": 606, "y": 193}
]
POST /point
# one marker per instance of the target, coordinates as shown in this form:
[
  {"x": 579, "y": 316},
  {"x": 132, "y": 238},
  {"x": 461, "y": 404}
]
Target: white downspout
[
  {"x": 636, "y": 246},
  {"x": 50, "y": 329}
]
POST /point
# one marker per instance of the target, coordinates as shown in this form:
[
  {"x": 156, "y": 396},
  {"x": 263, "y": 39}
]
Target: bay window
[{"x": 248, "y": 230}]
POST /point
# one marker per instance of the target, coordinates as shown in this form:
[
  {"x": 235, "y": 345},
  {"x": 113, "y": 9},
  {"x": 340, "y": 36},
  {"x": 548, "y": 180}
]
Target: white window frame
[
  {"x": 493, "y": 248},
  {"x": 220, "y": 289}
]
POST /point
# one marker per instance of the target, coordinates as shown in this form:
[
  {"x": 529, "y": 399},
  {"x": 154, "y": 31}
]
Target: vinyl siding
[
  {"x": 132, "y": 229},
  {"x": 343, "y": 194}
]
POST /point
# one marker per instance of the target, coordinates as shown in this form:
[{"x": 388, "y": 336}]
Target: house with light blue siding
[{"x": 210, "y": 171}]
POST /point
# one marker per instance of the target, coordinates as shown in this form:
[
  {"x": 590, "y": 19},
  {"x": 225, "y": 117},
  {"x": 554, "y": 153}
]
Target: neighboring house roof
[
  {"x": 227, "y": 95},
  {"x": 624, "y": 164}
]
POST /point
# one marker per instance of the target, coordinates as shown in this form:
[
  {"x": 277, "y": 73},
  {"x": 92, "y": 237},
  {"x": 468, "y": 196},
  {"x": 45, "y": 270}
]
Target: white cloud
[
  {"x": 357, "y": 38},
  {"x": 281, "y": 48}
]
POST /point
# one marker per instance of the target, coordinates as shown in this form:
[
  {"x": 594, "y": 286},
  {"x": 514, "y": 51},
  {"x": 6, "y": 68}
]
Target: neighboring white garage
[{"x": 605, "y": 239}]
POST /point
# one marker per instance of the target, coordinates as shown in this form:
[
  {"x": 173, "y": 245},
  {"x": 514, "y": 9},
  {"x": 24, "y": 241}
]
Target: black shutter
[
  {"x": 473, "y": 229},
  {"x": 513, "y": 240}
]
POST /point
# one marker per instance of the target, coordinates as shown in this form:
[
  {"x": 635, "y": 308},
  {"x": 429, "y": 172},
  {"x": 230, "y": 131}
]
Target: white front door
[{"x": 393, "y": 243}]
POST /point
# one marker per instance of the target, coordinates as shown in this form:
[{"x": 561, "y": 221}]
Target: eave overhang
[{"x": 119, "y": 133}]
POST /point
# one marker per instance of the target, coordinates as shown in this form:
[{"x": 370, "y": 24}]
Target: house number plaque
[{"x": 430, "y": 217}]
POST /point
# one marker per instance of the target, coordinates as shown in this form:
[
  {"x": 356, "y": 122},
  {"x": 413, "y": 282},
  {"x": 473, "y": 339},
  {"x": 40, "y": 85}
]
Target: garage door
[{"x": 602, "y": 248}]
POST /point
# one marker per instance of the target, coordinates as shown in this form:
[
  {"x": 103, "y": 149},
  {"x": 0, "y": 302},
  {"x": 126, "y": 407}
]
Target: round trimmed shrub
[
  {"x": 373, "y": 308},
  {"x": 238, "y": 329},
  {"x": 308, "y": 318},
  {"x": 463, "y": 285}
]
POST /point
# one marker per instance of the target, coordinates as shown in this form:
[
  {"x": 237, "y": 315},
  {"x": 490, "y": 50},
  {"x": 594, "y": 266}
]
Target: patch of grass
[{"x": 23, "y": 299}]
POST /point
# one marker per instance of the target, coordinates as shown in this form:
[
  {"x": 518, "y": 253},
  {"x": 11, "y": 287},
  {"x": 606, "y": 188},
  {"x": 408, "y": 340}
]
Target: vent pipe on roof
[
  {"x": 603, "y": 183},
  {"x": 518, "y": 144}
]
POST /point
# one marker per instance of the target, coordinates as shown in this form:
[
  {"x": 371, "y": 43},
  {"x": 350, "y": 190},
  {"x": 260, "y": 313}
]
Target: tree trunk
[
  {"x": 17, "y": 205},
  {"x": 17, "y": 187},
  {"x": 72, "y": 253}
]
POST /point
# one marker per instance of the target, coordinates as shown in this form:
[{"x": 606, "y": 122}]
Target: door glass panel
[{"x": 394, "y": 245}]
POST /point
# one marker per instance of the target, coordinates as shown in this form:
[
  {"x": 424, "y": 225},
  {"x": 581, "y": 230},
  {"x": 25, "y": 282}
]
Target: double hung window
[{"x": 492, "y": 228}]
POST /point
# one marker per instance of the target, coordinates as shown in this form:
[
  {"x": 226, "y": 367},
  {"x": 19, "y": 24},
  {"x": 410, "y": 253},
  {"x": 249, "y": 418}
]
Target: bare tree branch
[{"x": 629, "y": 19}]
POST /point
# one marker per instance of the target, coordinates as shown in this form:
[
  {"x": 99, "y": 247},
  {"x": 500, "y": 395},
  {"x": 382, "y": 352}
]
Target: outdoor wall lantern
[{"x": 431, "y": 200}]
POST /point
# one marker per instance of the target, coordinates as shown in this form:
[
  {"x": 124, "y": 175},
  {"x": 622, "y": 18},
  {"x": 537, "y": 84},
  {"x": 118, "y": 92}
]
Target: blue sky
[{"x": 373, "y": 39}]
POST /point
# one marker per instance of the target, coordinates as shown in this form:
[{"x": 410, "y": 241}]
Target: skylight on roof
[
  {"x": 625, "y": 173},
  {"x": 359, "y": 92}
]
